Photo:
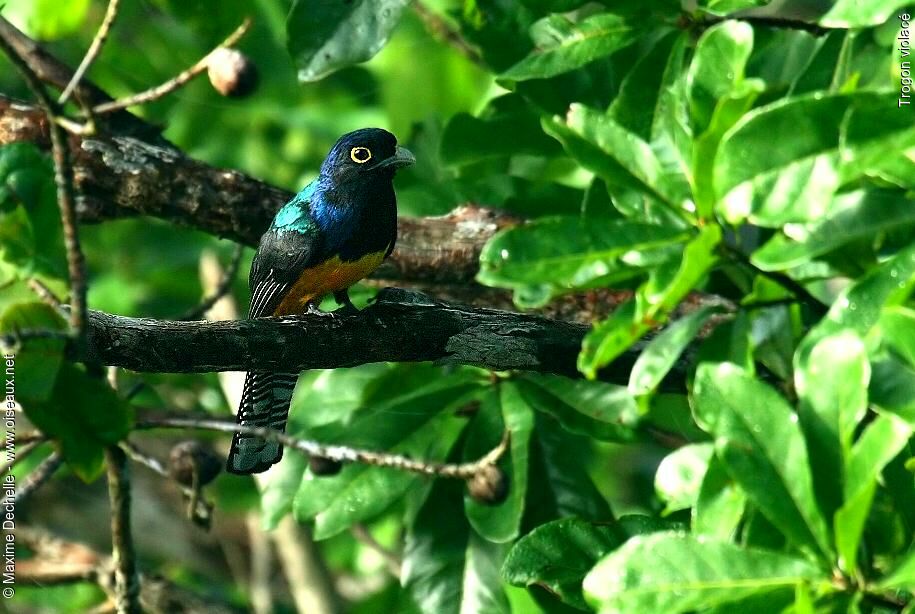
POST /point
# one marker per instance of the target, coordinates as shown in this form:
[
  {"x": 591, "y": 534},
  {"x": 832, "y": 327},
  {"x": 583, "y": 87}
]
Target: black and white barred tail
[{"x": 264, "y": 402}]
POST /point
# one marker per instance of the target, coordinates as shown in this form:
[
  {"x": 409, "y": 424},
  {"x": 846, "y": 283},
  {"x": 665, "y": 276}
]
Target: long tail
[{"x": 264, "y": 402}]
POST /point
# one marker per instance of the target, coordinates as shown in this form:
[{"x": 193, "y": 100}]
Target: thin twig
[
  {"x": 201, "y": 509},
  {"x": 37, "y": 478},
  {"x": 171, "y": 85},
  {"x": 21, "y": 454},
  {"x": 781, "y": 279},
  {"x": 784, "y": 23},
  {"x": 343, "y": 454},
  {"x": 126, "y": 578},
  {"x": 63, "y": 178},
  {"x": 16, "y": 338},
  {"x": 93, "y": 51},
  {"x": 441, "y": 30},
  {"x": 45, "y": 293},
  {"x": 29, "y": 437},
  {"x": 221, "y": 290}
]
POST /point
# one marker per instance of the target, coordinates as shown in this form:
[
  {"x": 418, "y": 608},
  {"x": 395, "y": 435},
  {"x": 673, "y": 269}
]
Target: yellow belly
[{"x": 329, "y": 276}]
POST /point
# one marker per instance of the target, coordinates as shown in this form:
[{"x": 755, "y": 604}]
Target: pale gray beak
[{"x": 402, "y": 157}]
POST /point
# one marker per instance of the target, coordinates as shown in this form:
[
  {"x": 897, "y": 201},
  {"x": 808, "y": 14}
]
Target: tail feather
[{"x": 264, "y": 402}]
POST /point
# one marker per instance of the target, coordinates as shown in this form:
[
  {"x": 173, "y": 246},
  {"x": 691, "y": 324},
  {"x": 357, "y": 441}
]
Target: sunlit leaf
[
  {"x": 562, "y": 45},
  {"x": 345, "y": 33},
  {"x": 673, "y": 572},
  {"x": 760, "y": 442}
]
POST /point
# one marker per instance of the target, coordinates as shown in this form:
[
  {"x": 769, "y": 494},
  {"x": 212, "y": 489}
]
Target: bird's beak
[{"x": 402, "y": 157}]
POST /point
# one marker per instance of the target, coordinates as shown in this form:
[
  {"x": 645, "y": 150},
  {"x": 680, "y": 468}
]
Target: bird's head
[{"x": 363, "y": 155}]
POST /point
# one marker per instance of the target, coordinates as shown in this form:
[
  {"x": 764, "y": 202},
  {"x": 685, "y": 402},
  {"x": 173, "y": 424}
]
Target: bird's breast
[{"x": 329, "y": 276}]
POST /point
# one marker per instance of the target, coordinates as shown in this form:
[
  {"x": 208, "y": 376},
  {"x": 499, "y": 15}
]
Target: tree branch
[
  {"x": 400, "y": 326},
  {"x": 100, "y": 36},
  {"x": 341, "y": 454},
  {"x": 56, "y": 561},
  {"x": 159, "y": 91},
  {"x": 126, "y": 577},
  {"x": 63, "y": 178},
  {"x": 121, "y": 176}
]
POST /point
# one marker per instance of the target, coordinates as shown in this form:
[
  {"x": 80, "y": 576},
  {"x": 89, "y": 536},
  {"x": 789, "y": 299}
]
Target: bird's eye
[{"x": 360, "y": 155}]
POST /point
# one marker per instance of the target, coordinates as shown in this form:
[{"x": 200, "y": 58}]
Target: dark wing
[{"x": 280, "y": 259}]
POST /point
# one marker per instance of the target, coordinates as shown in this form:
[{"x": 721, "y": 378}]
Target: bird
[{"x": 332, "y": 234}]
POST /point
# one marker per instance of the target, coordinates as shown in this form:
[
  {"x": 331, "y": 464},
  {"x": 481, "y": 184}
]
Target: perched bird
[{"x": 329, "y": 236}]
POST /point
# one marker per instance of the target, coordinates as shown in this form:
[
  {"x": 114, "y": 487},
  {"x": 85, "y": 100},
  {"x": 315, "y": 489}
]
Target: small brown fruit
[
  {"x": 324, "y": 466},
  {"x": 190, "y": 456},
  {"x": 232, "y": 73},
  {"x": 488, "y": 486}
]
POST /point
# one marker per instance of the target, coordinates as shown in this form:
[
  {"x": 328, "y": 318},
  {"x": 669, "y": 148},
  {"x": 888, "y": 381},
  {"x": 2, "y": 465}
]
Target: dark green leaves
[
  {"x": 84, "y": 415},
  {"x": 557, "y": 555},
  {"x": 672, "y": 572},
  {"x": 326, "y": 35},
  {"x": 503, "y": 409},
  {"x": 562, "y": 45},
  {"x": 447, "y": 568},
  {"x": 420, "y": 423}
]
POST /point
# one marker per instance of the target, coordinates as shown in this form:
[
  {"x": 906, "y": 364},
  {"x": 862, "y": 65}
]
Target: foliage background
[{"x": 734, "y": 158}]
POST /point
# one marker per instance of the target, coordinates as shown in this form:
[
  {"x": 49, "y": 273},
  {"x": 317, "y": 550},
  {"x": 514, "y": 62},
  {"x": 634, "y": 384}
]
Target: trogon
[{"x": 329, "y": 236}]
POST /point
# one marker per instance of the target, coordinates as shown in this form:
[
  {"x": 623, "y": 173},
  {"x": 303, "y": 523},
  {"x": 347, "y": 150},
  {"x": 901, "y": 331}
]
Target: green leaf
[
  {"x": 673, "y": 572},
  {"x": 594, "y": 409},
  {"x": 717, "y": 67},
  {"x": 503, "y": 408},
  {"x": 758, "y": 438},
  {"x": 447, "y": 568},
  {"x": 617, "y": 155},
  {"x": 39, "y": 360},
  {"x": 550, "y": 256},
  {"x": 726, "y": 7},
  {"x": 680, "y": 475},
  {"x": 278, "y": 489},
  {"x": 641, "y": 87},
  {"x": 898, "y": 325},
  {"x": 30, "y": 230},
  {"x": 84, "y": 415},
  {"x": 832, "y": 385},
  {"x": 665, "y": 288},
  {"x": 48, "y": 19},
  {"x": 419, "y": 423},
  {"x": 323, "y": 36},
  {"x": 858, "y": 306},
  {"x": 559, "y": 468},
  {"x": 720, "y": 504},
  {"x": 854, "y": 14},
  {"x": 557, "y": 556},
  {"x": 880, "y": 442},
  {"x": 562, "y": 45},
  {"x": 903, "y": 576},
  {"x": 508, "y": 127},
  {"x": 657, "y": 358},
  {"x": 832, "y": 139},
  {"x": 855, "y": 216},
  {"x": 892, "y": 387},
  {"x": 727, "y": 111}
]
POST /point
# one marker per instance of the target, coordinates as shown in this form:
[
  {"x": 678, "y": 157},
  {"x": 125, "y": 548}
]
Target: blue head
[{"x": 367, "y": 156}]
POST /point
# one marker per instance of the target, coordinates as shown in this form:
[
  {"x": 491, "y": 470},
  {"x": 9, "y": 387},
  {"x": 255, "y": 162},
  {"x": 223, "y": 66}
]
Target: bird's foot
[{"x": 346, "y": 305}]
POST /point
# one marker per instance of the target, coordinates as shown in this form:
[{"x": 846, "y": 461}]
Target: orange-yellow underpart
[{"x": 329, "y": 276}]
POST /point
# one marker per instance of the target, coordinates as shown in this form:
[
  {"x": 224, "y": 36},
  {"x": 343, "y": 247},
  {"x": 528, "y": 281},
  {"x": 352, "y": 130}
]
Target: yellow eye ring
[{"x": 360, "y": 155}]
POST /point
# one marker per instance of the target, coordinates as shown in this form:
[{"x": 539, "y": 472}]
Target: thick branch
[
  {"x": 400, "y": 327},
  {"x": 121, "y": 176}
]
